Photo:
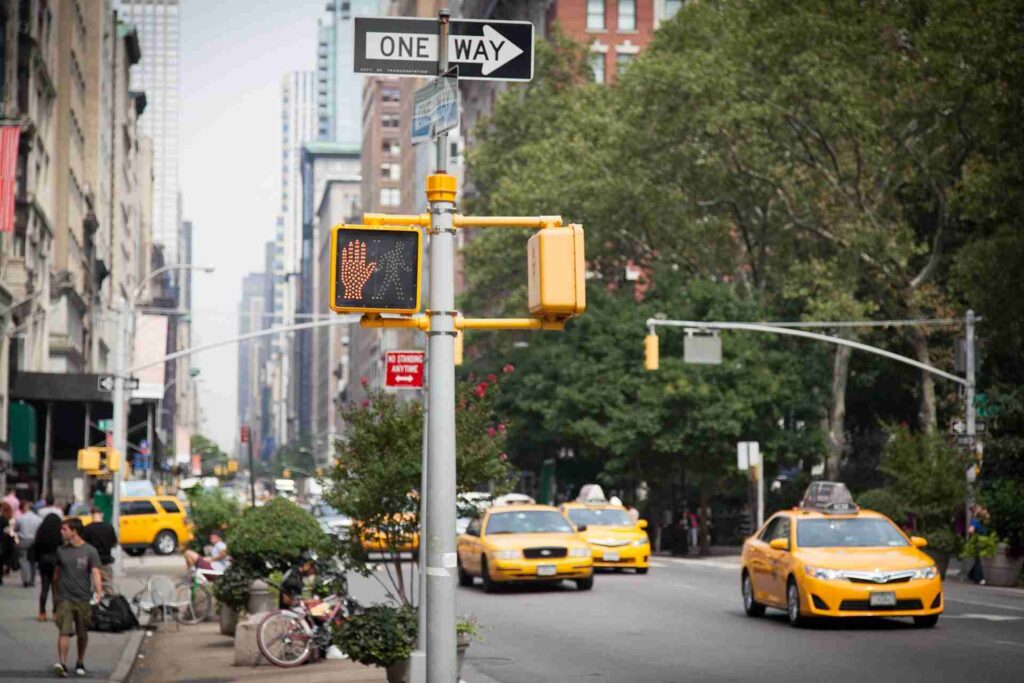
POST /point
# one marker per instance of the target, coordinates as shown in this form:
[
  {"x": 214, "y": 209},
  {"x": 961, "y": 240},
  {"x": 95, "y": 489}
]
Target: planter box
[
  {"x": 228, "y": 621},
  {"x": 398, "y": 673},
  {"x": 1002, "y": 570}
]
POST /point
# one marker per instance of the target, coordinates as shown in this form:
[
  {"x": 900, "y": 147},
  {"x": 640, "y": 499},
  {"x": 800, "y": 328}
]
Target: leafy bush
[
  {"x": 276, "y": 533},
  {"x": 981, "y": 545},
  {"x": 232, "y": 588},
  {"x": 1005, "y": 503},
  {"x": 943, "y": 540},
  {"x": 210, "y": 510},
  {"x": 379, "y": 636}
]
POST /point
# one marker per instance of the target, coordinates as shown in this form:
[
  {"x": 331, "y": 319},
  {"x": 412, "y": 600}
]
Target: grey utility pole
[
  {"x": 439, "y": 544},
  {"x": 969, "y": 414},
  {"x": 120, "y": 426}
]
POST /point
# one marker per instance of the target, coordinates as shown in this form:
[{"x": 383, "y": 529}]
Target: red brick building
[{"x": 617, "y": 30}]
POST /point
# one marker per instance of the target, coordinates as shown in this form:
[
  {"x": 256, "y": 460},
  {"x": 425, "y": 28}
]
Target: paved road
[{"x": 684, "y": 622}]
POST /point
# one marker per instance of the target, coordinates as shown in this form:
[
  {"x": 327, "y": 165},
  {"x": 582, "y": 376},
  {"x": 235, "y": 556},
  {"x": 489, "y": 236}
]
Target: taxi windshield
[
  {"x": 600, "y": 517},
  {"x": 848, "y": 533},
  {"x": 528, "y": 522}
]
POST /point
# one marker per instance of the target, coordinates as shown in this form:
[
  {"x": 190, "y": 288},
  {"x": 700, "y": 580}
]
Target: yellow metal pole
[
  {"x": 508, "y": 324},
  {"x": 375, "y": 321},
  {"x": 421, "y": 219},
  {"x": 536, "y": 222}
]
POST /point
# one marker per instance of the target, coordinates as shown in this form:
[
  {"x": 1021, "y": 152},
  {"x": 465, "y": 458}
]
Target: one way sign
[{"x": 483, "y": 50}]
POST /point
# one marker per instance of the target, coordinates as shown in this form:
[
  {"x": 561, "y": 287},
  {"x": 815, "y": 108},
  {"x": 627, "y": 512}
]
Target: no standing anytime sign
[{"x": 404, "y": 369}]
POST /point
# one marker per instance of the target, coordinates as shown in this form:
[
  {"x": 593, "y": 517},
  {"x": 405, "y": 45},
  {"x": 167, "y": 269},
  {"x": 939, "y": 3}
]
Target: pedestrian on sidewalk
[
  {"x": 79, "y": 586},
  {"x": 693, "y": 521},
  {"x": 26, "y": 528},
  {"x": 44, "y": 553},
  {"x": 8, "y": 541},
  {"x": 12, "y": 499},
  {"x": 49, "y": 508},
  {"x": 101, "y": 535}
]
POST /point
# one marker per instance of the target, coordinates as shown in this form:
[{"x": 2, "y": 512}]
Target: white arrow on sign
[
  {"x": 106, "y": 383},
  {"x": 403, "y": 378},
  {"x": 491, "y": 50}
]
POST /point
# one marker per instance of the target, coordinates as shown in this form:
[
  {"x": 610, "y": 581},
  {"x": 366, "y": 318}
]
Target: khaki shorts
[{"x": 73, "y": 618}]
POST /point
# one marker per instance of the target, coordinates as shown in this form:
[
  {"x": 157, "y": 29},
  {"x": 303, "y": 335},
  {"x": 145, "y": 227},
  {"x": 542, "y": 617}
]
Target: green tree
[{"x": 209, "y": 451}]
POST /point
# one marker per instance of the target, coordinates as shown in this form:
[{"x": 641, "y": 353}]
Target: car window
[
  {"x": 474, "y": 528},
  {"x": 766, "y": 535},
  {"x": 848, "y": 533},
  {"x": 528, "y": 522},
  {"x": 138, "y": 507},
  {"x": 600, "y": 517},
  {"x": 781, "y": 528},
  {"x": 170, "y": 506}
]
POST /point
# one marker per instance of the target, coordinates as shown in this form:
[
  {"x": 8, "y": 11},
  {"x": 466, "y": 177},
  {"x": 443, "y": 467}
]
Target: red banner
[
  {"x": 9, "y": 137},
  {"x": 404, "y": 369}
]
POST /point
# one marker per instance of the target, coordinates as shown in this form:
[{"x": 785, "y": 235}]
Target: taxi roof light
[{"x": 829, "y": 497}]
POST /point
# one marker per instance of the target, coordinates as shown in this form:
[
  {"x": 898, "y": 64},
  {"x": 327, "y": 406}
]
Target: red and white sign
[
  {"x": 405, "y": 369},
  {"x": 244, "y": 434}
]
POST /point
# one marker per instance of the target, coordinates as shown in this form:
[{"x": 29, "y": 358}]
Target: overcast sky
[{"x": 233, "y": 55}]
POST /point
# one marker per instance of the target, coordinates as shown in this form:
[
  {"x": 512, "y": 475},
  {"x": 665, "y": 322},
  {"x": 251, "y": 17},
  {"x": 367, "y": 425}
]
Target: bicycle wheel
[
  {"x": 198, "y": 599},
  {"x": 283, "y": 639}
]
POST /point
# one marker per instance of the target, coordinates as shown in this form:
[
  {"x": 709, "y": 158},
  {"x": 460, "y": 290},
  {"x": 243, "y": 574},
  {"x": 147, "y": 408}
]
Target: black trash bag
[{"x": 113, "y": 614}]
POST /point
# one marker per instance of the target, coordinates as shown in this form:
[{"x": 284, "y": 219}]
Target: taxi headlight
[
  {"x": 926, "y": 573},
  {"x": 822, "y": 573},
  {"x": 640, "y": 541},
  {"x": 507, "y": 554},
  {"x": 579, "y": 552}
]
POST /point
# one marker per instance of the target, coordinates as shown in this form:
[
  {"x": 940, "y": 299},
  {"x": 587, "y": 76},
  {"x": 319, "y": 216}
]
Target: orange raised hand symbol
[{"x": 355, "y": 271}]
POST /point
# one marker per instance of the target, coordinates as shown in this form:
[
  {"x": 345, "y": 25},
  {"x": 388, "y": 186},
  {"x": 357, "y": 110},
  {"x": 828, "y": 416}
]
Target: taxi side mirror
[
  {"x": 641, "y": 524},
  {"x": 779, "y": 544},
  {"x": 581, "y": 528},
  {"x": 919, "y": 542}
]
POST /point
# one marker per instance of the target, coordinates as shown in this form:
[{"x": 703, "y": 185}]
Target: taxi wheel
[
  {"x": 641, "y": 570},
  {"x": 928, "y": 621},
  {"x": 464, "y": 578},
  {"x": 793, "y": 605},
  {"x": 166, "y": 542},
  {"x": 585, "y": 584},
  {"x": 485, "y": 574},
  {"x": 752, "y": 607}
]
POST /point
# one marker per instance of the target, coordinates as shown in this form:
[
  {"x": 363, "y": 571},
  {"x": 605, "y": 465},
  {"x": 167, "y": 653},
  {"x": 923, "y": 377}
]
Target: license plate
[
  {"x": 546, "y": 570},
  {"x": 610, "y": 556},
  {"x": 882, "y": 599}
]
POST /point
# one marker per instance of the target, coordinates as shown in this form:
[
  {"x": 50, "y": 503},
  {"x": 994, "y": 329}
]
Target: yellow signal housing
[
  {"x": 89, "y": 459},
  {"x": 556, "y": 273},
  {"x": 286, "y": 473},
  {"x": 232, "y": 465},
  {"x": 458, "y": 347},
  {"x": 651, "y": 352}
]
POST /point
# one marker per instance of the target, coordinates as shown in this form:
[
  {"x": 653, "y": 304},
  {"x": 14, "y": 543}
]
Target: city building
[
  {"x": 331, "y": 179},
  {"x": 251, "y": 353}
]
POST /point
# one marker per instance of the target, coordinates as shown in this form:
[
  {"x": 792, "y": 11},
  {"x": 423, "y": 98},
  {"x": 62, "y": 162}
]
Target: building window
[
  {"x": 672, "y": 8},
  {"x": 597, "y": 66},
  {"x": 595, "y": 15},
  {"x": 391, "y": 147},
  {"x": 390, "y": 171},
  {"x": 390, "y": 94},
  {"x": 390, "y": 196},
  {"x": 622, "y": 62},
  {"x": 627, "y": 15},
  {"x": 389, "y": 121}
]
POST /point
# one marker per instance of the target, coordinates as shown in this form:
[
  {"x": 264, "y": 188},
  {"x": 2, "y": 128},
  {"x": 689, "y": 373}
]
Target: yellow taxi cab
[
  {"x": 379, "y": 540},
  {"x": 157, "y": 522},
  {"x": 828, "y": 558},
  {"x": 615, "y": 539},
  {"x": 523, "y": 543}
]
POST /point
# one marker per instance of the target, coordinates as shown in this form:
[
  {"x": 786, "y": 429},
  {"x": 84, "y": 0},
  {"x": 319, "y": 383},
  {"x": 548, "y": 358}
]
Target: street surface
[{"x": 684, "y": 622}]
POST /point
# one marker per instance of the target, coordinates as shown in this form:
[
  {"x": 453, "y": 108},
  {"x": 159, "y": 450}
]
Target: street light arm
[
  {"x": 754, "y": 327},
  {"x": 166, "y": 269}
]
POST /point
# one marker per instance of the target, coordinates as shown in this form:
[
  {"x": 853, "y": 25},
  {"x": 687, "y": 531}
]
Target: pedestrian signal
[
  {"x": 97, "y": 460},
  {"x": 651, "y": 352},
  {"x": 556, "y": 273},
  {"x": 375, "y": 269}
]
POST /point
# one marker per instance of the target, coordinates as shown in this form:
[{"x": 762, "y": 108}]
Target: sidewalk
[{"x": 28, "y": 648}]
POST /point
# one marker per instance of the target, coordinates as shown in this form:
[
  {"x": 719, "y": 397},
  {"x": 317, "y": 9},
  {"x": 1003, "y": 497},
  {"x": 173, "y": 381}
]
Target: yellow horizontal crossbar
[
  {"x": 459, "y": 221},
  {"x": 422, "y": 323}
]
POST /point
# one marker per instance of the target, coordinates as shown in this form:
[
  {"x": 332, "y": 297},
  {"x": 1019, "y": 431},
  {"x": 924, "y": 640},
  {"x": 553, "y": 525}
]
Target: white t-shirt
[{"x": 219, "y": 548}]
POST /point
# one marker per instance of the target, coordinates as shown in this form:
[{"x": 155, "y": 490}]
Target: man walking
[
  {"x": 101, "y": 535},
  {"x": 77, "y": 577},
  {"x": 25, "y": 529}
]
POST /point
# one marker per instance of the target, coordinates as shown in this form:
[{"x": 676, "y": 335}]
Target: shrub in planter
[
  {"x": 981, "y": 546},
  {"x": 1004, "y": 500},
  {"x": 210, "y": 510},
  {"x": 380, "y": 636}
]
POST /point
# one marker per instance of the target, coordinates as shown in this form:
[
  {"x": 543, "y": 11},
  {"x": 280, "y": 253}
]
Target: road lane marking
[
  {"x": 716, "y": 564},
  {"x": 1009, "y": 642},
  {"x": 658, "y": 564},
  {"x": 984, "y": 604},
  {"x": 986, "y": 617}
]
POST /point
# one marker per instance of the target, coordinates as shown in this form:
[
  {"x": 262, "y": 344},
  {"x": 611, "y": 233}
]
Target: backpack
[{"x": 113, "y": 614}]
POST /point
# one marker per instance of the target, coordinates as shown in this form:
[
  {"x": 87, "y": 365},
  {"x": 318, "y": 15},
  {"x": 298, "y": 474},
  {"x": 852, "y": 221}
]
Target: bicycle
[
  {"x": 289, "y": 637},
  {"x": 196, "y": 593}
]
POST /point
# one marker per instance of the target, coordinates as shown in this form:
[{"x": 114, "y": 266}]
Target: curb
[{"x": 128, "y": 656}]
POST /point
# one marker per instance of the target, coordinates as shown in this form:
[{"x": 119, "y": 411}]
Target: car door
[
  {"x": 469, "y": 547},
  {"x": 138, "y": 522},
  {"x": 778, "y": 561},
  {"x": 760, "y": 569}
]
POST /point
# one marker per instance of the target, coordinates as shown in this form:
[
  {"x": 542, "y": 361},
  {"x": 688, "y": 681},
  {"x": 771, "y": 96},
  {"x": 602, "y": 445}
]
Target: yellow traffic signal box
[
  {"x": 375, "y": 269},
  {"x": 556, "y": 273},
  {"x": 97, "y": 460},
  {"x": 651, "y": 352}
]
